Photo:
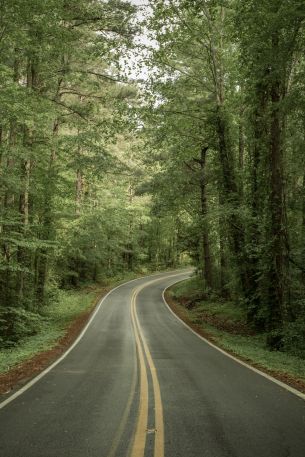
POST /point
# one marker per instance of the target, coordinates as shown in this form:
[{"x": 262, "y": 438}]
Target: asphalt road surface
[{"x": 140, "y": 384}]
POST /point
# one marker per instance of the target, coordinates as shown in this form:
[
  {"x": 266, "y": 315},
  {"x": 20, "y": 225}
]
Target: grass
[
  {"x": 190, "y": 292},
  {"x": 251, "y": 348},
  {"x": 57, "y": 318},
  {"x": 54, "y": 323}
]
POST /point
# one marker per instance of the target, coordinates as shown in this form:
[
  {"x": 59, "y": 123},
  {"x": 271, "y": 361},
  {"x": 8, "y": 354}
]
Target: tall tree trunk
[
  {"x": 302, "y": 231},
  {"x": 258, "y": 152},
  {"x": 79, "y": 191},
  {"x": 222, "y": 264},
  {"x": 228, "y": 187},
  {"x": 79, "y": 178},
  {"x": 7, "y": 289},
  {"x": 277, "y": 210},
  {"x": 22, "y": 252},
  {"x": 207, "y": 262},
  {"x": 231, "y": 198},
  {"x": 241, "y": 146},
  {"x": 48, "y": 231},
  {"x": 129, "y": 245},
  {"x": 24, "y": 196},
  {"x": 241, "y": 152},
  {"x": 47, "y": 221}
]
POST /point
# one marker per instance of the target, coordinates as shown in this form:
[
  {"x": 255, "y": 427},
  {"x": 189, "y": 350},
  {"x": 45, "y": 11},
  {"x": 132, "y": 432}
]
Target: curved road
[{"x": 140, "y": 384}]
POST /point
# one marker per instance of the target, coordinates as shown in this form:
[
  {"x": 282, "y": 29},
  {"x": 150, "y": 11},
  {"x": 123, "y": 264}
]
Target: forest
[{"x": 142, "y": 138}]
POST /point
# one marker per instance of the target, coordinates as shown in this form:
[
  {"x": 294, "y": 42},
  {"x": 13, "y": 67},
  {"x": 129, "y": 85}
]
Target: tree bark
[
  {"x": 47, "y": 221},
  {"x": 231, "y": 197},
  {"x": 22, "y": 252},
  {"x": 207, "y": 262},
  {"x": 258, "y": 152},
  {"x": 277, "y": 210},
  {"x": 79, "y": 191},
  {"x": 48, "y": 231}
]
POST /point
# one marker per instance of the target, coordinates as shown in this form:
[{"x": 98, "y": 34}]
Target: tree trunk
[
  {"x": 48, "y": 231},
  {"x": 7, "y": 288},
  {"x": 22, "y": 252},
  {"x": 47, "y": 221},
  {"x": 241, "y": 146},
  {"x": 79, "y": 191},
  {"x": 207, "y": 263},
  {"x": 258, "y": 153},
  {"x": 277, "y": 212},
  {"x": 241, "y": 152},
  {"x": 231, "y": 198}
]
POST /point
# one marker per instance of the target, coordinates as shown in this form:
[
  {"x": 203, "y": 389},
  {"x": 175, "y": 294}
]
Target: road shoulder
[{"x": 287, "y": 380}]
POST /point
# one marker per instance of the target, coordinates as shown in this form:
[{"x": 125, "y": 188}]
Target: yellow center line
[
  {"x": 159, "y": 424},
  {"x": 139, "y": 442}
]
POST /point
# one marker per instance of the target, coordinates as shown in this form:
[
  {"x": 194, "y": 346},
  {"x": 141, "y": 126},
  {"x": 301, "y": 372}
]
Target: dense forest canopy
[{"x": 199, "y": 159}]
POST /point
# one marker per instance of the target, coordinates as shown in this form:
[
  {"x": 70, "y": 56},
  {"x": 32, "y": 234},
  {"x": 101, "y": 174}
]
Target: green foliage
[
  {"x": 225, "y": 129},
  {"x": 190, "y": 289},
  {"x": 51, "y": 326},
  {"x": 69, "y": 167},
  {"x": 293, "y": 337},
  {"x": 202, "y": 161},
  {"x": 250, "y": 347},
  {"x": 16, "y": 324}
]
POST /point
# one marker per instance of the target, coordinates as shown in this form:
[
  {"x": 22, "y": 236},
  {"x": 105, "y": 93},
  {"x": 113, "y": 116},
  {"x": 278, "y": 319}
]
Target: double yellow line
[{"x": 138, "y": 447}]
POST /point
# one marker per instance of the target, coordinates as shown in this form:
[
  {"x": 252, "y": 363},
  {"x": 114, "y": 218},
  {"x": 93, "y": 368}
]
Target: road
[{"x": 140, "y": 384}]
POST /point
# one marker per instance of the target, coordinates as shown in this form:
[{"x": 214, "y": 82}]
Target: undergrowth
[
  {"x": 52, "y": 326},
  {"x": 35, "y": 333},
  {"x": 226, "y": 323}
]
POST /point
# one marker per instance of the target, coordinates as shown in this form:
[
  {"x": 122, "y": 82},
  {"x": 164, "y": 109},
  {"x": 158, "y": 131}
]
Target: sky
[
  {"x": 137, "y": 69},
  {"x": 139, "y": 2}
]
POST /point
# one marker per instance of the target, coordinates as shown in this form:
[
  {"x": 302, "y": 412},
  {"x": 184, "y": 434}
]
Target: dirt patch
[
  {"x": 22, "y": 373},
  {"x": 178, "y": 308}
]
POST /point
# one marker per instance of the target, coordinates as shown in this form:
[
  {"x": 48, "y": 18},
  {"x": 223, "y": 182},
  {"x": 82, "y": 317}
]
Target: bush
[
  {"x": 294, "y": 332},
  {"x": 52, "y": 294},
  {"x": 16, "y": 324},
  {"x": 294, "y": 337}
]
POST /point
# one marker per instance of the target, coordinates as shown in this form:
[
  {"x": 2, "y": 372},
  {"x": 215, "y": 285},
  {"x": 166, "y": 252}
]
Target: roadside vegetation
[
  {"x": 137, "y": 138},
  {"x": 225, "y": 324},
  {"x": 72, "y": 206},
  {"x": 226, "y": 124},
  {"x": 44, "y": 332},
  {"x": 57, "y": 325}
]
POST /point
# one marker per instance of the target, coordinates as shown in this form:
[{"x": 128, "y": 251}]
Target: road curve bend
[{"x": 139, "y": 384}]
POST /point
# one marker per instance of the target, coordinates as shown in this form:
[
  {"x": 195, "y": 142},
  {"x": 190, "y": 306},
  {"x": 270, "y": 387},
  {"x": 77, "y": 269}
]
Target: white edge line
[
  {"x": 64, "y": 355},
  {"x": 250, "y": 367}
]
